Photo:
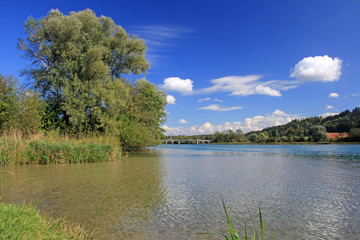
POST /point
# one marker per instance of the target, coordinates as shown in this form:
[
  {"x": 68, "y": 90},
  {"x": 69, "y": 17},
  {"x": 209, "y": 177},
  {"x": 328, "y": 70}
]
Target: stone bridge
[{"x": 179, "y": 141}]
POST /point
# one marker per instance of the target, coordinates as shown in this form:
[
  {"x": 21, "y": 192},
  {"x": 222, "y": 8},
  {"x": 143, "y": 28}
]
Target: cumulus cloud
[
  {"x": 204, "y": 99},
  {"x": 259, "y": 122},
  {"x": 217, "y": 107},
  {"x": 183, "y": 121},
  {"x": 183, "y": 86},
  {"x": 218, "y": 100},
  {"x": 334, "y": 95},
  {"x": 319, "y": 68},
  {"x": 170, "y": 99},
  {"x": 329, "y": 107}
]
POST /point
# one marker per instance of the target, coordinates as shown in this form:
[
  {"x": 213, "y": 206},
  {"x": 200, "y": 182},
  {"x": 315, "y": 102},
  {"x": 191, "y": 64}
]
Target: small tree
[
  {"x": 354, "y": 135},
  {"x": 318, "y": 133},
  {"x": 9, "y": 101},
  {"x": 253, "y": 138},
  {"x": 19, "y": 109},
  {"x": 263, "y": 137}
]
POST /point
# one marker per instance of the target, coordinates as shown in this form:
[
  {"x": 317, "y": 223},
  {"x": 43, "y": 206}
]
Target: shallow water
[{"x": 174, "y": 192}]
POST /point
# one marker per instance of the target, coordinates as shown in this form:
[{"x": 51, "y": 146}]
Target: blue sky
[{"x": 228, "y": 64}]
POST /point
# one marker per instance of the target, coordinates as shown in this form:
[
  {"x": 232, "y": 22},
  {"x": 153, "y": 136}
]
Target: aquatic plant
[{"x": 232, "y": 234}]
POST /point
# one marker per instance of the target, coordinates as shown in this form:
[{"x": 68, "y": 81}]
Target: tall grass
[
  {"x": 12, "y": 148},
  {"x": 232, "y": 234},
  {"x": 45, "y": 153},
  {"x": 54, "y": 147}
]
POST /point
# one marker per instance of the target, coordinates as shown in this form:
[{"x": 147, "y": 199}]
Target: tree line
[
  {"x": 86, "y": 76},
  {"x": 312, "y": 129}
]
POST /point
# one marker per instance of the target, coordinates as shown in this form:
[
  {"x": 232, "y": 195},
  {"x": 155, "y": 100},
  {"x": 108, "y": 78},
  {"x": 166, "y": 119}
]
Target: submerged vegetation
[{"x": 26, "y": 222}]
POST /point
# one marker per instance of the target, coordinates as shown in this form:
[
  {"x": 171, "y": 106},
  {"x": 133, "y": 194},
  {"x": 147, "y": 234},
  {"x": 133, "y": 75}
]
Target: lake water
[{"x": 174, "y": 192}]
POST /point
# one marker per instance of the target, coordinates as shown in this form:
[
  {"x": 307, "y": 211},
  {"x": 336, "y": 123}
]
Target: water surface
[{"x": 174, "y": 192}]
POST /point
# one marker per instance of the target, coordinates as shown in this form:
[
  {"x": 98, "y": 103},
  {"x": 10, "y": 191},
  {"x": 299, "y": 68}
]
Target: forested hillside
[
  {"x": 312, "y": 129},
  {"x": 305, "y": 129}
]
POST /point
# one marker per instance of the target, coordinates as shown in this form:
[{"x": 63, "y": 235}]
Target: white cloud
[
  {"x": 319, "y": 68},
  {"x": 170, "y": 99},
  {"x": 324, "y": 115},
  {"x": 278, "y": 117},
  {"x": 159, "y": 39},
  {"x": 183, "y": 86},
  {"x": 183, "y": 121},
  {"x": 329, "y": 107},
  {"x": 334, "y": 95},
  {"x": 216, "y": 107},
  {"x": 159, "y": 35},
  {"x": 204, "y": 99},
  {"x": 246, "y": 85},
  {"x": 218, "y": 100}
]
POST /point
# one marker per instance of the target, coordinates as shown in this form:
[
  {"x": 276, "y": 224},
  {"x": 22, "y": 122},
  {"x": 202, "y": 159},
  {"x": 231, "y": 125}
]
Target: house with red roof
[{"x": 337, "y": 135}]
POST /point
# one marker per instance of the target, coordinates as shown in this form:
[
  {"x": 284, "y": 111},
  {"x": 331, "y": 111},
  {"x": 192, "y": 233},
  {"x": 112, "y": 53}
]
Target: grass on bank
[
  {"x": 52, "y": 147},
  {"x": 26, "y": 222}
]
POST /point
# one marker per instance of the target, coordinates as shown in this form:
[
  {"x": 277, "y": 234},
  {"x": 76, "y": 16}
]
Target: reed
[
  {"x": 54, "y": 147},
  {"x": 65, "y": 152},
  {"x": 232, "y": 234}
]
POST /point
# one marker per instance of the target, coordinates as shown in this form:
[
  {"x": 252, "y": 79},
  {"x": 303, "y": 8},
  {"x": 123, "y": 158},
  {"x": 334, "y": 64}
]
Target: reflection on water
[{"x": 174, "y": 192}]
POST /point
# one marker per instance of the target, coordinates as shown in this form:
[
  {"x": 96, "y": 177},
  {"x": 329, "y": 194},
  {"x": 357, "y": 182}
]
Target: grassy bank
[
  {"x": 52, "y": 147},
  {"x": 26, "y": 222}
]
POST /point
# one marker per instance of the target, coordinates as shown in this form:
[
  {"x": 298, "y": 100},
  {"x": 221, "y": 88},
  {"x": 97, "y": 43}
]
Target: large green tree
[
  {"x": 87, "y": 69},
  {"x": 80, "y": 64}
]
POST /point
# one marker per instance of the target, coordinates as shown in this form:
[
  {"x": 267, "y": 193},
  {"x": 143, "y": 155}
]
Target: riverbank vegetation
[
  {"x": 26, "y": 222},
  {"x": 52, "y": 147},
  {"x": 86, "y": 84},
  {"x": 309, "y": 130}
]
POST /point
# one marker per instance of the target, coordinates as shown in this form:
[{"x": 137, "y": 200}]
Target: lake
[{"x": 175, "y": 191}]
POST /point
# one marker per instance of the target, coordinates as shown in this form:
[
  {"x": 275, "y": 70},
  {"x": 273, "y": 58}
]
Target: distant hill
[
  {"x": 300, "y": 130},
  {"x": 312, "y": 129}
]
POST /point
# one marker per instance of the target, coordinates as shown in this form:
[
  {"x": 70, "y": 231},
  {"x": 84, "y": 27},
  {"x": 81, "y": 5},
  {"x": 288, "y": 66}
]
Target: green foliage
[
  {"x": 354, "y": 135},
  {"x": 84, "y": 68},
  {"x": 77, "y": 60},
  {"x": 229, "y": 136},
  {"x": 19, "y": 109},
  {"x": 253, "y": 138},
  {"x": 9, "y": 101},
  {"x": 26, "y": 222},
  {"x": 318, "y": 133},
  {"x": 303, "y": 130},
  {"x": 263, "y": 137}
]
